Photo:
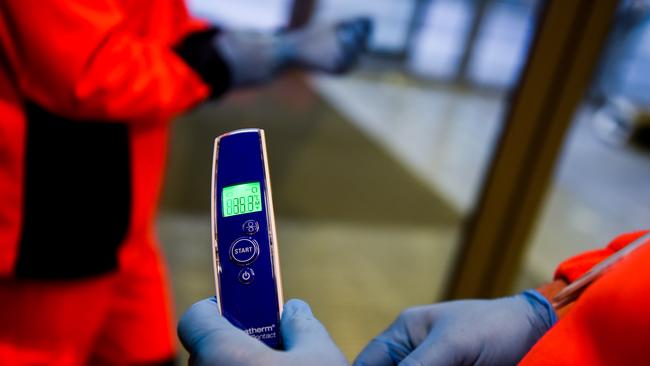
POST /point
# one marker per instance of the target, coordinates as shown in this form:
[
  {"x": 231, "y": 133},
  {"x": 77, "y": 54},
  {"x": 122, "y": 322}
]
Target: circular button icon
[
  {"x": 244, "y": 251},
  {"x": 250, "y": 227},
  {"x": 246, "y": 276}
]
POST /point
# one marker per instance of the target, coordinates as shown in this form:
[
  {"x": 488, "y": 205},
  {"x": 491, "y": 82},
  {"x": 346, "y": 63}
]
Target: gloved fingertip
[
  {"x": 294, "y": 307},
  {"x": 196, "y": 321},
  {"x": 299, "y": 326},
  {"x": 380, "y": 352}
]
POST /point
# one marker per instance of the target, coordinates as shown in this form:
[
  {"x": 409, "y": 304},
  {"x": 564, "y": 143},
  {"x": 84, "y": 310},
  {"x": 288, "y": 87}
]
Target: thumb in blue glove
[
  {"x": 470, "y": 332},
  {"x": 212, "y": 340}
]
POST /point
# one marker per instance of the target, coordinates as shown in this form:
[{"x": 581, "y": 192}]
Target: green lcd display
[{"x": 241, "y": 199}]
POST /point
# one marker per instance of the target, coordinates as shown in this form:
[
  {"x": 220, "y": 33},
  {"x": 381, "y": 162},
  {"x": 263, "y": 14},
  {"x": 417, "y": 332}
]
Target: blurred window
[
  {"x": 600, "y": 188},
  {"x": 248, "y": 14},
  {"x": 439, "y": 43},
  {"x": 633, "y": 76},
  {"x": 636, "y": 78},
  {"x": 499, "y": 52},
  {"x": 493, "y": 36}
]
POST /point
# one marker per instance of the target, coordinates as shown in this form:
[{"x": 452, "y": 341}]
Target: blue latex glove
[
  {"x": 333, "y": 48},
  {"x": 255, "y": 58},
  {"x": 471, "y": 332},
  {"x": 212, "y": 340}
]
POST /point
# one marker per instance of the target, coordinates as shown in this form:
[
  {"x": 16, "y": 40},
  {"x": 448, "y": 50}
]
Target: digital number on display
[{"x": 241, "y": 199}]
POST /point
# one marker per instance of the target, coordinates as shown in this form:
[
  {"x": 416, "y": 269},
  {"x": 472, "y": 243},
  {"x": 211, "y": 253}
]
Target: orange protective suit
[
  {"x": 87, "y": 92},
  {"x": 609, "y": 324}
]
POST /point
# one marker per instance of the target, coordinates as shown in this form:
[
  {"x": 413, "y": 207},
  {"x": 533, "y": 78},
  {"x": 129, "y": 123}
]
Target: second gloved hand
[
  {"x": 211, "y": 340},
  {"x": 470, "y": 332}
]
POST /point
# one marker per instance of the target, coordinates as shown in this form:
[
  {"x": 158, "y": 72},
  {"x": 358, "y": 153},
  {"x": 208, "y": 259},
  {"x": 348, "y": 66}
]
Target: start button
[{"x": 244, "y": 250}]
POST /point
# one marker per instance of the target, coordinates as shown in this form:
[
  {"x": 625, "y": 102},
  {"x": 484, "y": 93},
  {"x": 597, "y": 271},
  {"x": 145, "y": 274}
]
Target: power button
[{"x": 246, "y": 276}]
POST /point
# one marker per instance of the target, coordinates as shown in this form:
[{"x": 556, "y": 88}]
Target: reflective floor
[{"x": 442, "y": 135}]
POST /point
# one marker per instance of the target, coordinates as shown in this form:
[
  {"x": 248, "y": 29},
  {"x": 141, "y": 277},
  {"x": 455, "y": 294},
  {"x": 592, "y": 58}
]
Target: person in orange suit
[
  {"x": 607, "y": 324},
  {"x": 87, "y": 92}
]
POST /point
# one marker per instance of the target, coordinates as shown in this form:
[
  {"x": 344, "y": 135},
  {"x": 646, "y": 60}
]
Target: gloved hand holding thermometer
[
  {"x": 246, "y": 323},
  {"x": 212, "y": 340}
]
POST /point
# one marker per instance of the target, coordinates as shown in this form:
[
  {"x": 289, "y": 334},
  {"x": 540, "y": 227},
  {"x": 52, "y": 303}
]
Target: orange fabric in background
[
  {"x": 106, "y": 60},
  {"x": 118, "y": 319},
  {"x": 610, "y": 323},
  {"x": 99, "y": 60},
  {"x": 12, "y": 153}
]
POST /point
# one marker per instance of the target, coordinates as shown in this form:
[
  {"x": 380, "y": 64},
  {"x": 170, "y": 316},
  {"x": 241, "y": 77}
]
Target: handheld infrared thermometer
[{"x": 244, "y": 241}]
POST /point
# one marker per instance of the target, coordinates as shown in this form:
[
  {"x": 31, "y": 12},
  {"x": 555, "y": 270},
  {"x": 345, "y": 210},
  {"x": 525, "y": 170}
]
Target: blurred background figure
[
  {"x": 376, "y": 176},
  {"x": 87, "y": 91}
]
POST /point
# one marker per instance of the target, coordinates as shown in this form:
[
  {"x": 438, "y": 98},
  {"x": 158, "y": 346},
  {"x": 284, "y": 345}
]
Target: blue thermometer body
[{"x": 246, "y": 267}]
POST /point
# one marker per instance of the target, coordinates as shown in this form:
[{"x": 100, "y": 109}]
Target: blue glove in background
[
  {"x": 468, "y": 332},
  {"x": 333, "y": 49},
  {"x": 254, "y": 58},
  {"x": 212, "y": 340}
]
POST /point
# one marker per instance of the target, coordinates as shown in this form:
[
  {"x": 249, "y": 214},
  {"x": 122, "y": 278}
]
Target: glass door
[{"x": 599, "y": 188}]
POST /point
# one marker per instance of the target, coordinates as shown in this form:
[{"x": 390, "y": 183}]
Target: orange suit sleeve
[{"x": 74, "y": 58}]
